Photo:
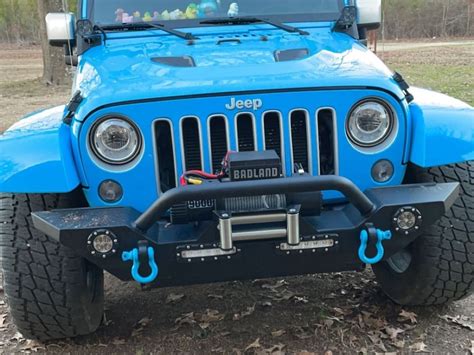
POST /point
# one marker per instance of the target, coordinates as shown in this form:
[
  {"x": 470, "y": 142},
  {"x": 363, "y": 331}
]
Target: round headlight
[
  {"x": 115, "y": 140},
  {"x": 369, "y": 123}
]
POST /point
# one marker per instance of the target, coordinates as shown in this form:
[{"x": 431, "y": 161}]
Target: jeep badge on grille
[{"x": 254, "y": 104}]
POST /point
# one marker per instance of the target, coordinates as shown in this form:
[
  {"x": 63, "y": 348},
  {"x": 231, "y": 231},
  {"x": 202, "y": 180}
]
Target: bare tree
[{"x": 54, "y": 72}]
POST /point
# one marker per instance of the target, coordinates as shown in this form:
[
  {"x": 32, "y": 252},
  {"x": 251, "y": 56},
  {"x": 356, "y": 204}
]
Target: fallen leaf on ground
[
  {"x": 371, "y": 321},
  {"x": 32, "y": 345},
  {"x": 328, "y": 322},
  {"x": 17, "y": 337},
  {"x": 204, "y": 326},
  {"x": 472, "y": 347},
  {"x": 393, "y": 332},
  {"x": 119, "y": 342},
  {"x": 266, "y": 304},
  {"x": 254, "y": 345},
  {"x": 278, "y": 333},
  {"x": 144, "y": 322},
  {"x": 376, "y": 340},
  {"x": 211, "y": 315},
  {"x": 419, "y": 347},
  {"x": 217, "y": 297},
  {"x": 3, "y": 320},
  {"x": 249, "y": 311},
  {"x": 284, "y": 295},
  {"x": 299, "y": 299},
  {"x": 400, "y": 344},
  {"x": 462, "y": 321},
  {"x": 342, "y": 312},
  {"x": 404, "y": 316},
  {"x": 275, "y": 349},
  {"x": 303, "y": 332},
  {"x": 172, "y": 298},
  {"x": 278, "y": 284},
  {"x": 187, "y": 318}
]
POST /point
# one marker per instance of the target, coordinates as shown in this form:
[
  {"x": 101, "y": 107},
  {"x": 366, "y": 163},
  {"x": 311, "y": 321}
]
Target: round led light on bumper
[
  {"x": 102, "y": 243},
  {"x": 407, "y": 220},
  {"x": 115, "y": 140},
  {"x": 370, "y": 123}
]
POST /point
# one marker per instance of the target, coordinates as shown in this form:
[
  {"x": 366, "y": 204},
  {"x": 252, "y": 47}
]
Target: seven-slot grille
[{"x": 301, "y": 151}]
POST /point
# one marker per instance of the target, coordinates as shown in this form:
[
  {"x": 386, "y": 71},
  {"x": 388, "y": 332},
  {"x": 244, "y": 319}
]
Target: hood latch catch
[{"x": 72, "y": 107}]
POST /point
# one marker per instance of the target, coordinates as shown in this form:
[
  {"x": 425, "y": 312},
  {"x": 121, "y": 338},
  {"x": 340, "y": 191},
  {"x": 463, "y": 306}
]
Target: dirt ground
[{"x": 327, "y": 314}]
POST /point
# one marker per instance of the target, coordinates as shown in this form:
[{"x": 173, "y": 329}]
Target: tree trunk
[
  {"x": 469, "y": 17},
  {"x": 54, "y": 72}
]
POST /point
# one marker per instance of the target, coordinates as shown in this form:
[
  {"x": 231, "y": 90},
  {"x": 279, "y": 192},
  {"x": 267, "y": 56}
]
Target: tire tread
[{"x": 42, "y": 278}]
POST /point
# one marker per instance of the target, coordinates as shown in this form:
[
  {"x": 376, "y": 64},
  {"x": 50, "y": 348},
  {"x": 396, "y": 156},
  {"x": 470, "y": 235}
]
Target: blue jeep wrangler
[{"x": 223, "y": 140}]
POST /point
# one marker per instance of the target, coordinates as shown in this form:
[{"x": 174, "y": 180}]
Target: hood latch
[
  {"x": 403, "y": 85},
  {"x": 72, "y": 107}
]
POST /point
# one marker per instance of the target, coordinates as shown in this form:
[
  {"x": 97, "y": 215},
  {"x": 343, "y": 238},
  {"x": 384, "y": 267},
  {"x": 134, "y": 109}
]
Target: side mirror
[
  {"x": 61, "y": 29},
  {"x": 369, "y": 14}
]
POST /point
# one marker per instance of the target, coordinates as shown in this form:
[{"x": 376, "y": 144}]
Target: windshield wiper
[
  {"x": 146, "y": 25},
  {"x": 249, "y": 20}
]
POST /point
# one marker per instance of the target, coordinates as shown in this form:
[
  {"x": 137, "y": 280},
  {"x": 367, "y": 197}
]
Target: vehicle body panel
[
  {"x": 443, "y": 129},
  {"x": 36, "y": 156}
]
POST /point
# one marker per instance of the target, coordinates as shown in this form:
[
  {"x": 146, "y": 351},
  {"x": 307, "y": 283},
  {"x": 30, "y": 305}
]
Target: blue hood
[{"x": 123, "y": 69}]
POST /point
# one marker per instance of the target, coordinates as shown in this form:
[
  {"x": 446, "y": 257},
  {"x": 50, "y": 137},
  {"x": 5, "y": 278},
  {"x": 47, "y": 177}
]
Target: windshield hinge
[
  {"x": 348, "y": 18},
  {"x": 403, "y": 85},
  {"x": 88, "y": 33},
  {"x": 72, "y": 107}
]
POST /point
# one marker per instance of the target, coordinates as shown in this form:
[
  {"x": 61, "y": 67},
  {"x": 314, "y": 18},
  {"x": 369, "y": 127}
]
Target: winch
[{"x": 243, "y": 166}]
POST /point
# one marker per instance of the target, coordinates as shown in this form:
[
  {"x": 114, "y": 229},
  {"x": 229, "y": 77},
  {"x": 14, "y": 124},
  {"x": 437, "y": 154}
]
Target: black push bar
[{"x": 216, "y": 190}]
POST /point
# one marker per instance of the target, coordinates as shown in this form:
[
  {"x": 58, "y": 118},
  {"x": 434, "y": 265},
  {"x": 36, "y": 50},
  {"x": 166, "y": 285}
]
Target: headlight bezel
[
  {"x": 383, "y": 139},
  {"x": 100, "y": 156}
]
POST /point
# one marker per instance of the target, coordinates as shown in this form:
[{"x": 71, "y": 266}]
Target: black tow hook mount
[{"x": 372, "y": 242}]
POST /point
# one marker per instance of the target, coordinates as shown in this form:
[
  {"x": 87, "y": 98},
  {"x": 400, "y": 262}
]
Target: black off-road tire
[
  {"x": 441, "y": 268},
  {"x": 51, "y": 292}
]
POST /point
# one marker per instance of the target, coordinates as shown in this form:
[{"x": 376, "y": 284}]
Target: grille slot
[
  {"x": 272, "y": 130},
  {"x": 191, "y": 143},
  {"x": 219, "y": 142},
  {"x": 245, "y": 132},
  {"x": 327, "y": 142},
  {"x": 299, "y": 139},
  {"x": 165, "y": 155}
]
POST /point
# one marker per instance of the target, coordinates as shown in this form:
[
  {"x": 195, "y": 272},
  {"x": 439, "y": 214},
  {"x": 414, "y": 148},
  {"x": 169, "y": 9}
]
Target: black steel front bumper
[{"x": 188, "y": 254}]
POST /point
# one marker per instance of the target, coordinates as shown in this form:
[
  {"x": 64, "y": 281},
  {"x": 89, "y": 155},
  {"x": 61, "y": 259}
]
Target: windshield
[{"x": 106, "y": 12}]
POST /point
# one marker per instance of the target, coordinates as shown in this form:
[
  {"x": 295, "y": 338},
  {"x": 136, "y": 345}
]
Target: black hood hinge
[
  {"x": 72, "y": 107},
  {"x": 404, "y": 86}
]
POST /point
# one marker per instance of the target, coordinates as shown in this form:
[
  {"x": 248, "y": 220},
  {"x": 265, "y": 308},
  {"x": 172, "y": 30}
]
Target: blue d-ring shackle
[
  {"x": 133, "y": 256},
  {"x": 364, "y": 238}
]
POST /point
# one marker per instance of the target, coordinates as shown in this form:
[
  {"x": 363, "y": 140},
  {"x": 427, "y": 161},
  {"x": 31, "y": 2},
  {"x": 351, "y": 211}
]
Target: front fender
[
  {"x": 36, "y": 155},
  {"x": 443, "y": 129}
]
